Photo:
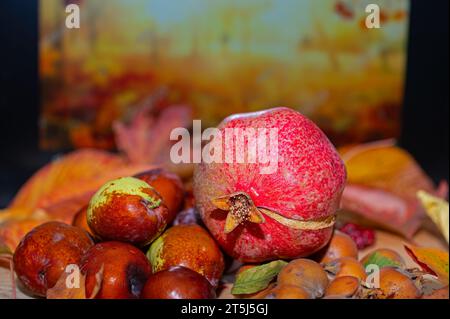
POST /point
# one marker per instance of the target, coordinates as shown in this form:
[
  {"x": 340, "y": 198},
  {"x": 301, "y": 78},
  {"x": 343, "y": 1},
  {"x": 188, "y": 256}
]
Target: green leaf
[
  {"x": 381, "y": 261},
  {"x": 256, "y": 278}
]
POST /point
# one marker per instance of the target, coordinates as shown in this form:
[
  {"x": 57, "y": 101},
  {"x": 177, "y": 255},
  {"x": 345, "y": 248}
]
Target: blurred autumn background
[
  {"x": 136, "y": 69},
  {"x": 220, "y": 58}
]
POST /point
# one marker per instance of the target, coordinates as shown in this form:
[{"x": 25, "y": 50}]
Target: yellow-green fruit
[
  {"x": 129, "y": 210},
  {"x": 189, "y": 246}
]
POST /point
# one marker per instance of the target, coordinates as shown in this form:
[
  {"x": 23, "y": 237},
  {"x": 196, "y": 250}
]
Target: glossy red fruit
[
  {"x": 125, "y": 270},
  {"x": 285, "y": 211},
  {"x": 169, "y": 186},
  {"x": 127, "y": 209},
  {"x": 178, "y": 283},
  {"x": 190, "y": 246},
  {"x": 80, "y": 220},
  {"x": 43, "y": 254}
]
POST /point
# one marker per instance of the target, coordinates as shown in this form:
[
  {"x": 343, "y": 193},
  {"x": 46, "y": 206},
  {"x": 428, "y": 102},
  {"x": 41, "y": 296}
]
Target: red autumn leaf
[
  {"x": 146, "y": 139},
  {"x": 383, "y": 180}
]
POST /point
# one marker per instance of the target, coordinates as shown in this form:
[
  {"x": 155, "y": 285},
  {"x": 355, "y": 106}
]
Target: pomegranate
[{"x": 287, "y": 212}]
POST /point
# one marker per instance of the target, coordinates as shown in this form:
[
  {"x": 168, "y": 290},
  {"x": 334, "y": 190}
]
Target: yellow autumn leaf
[
  {"x": 432, "y": 260},
  {"x": 437, "y": 210},
  {"x": 383, "y": 165}
]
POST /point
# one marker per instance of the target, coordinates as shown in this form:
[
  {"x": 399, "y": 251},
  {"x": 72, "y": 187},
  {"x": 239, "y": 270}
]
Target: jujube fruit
[
  {"x": 44, "y": 252},
  {"x": 285, "y": 211},
  {"x": 169, "y": 186},
  {"x": 304, "y": 273},
  {"x": 178, "y": 283},
  {"x": 189, "y": 246},
  {"x": 80, "y": 220},
  {"x": 124, "y": 270},
  {"x": 127, "y": 209}
]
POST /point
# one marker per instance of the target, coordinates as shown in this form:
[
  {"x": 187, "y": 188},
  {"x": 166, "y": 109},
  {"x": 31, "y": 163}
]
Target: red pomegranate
[{"x": 286, "y": 212}]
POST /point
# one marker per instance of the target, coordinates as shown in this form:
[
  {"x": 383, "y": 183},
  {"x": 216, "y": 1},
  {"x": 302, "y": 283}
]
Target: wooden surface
[{"x": 383, "y": 240}]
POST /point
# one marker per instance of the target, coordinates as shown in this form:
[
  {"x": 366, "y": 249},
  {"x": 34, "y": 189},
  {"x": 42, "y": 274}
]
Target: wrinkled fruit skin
[
  {"x": 189, "y": 246},
  {"x": 125, "y": 270},
  {"x": 128, "y": 210},
  {"x": 169, "y": 186},
  {"x": 178, "y": 283},
  {"x": 43, "y": 254},
  {"x": 307, "y": 184}
]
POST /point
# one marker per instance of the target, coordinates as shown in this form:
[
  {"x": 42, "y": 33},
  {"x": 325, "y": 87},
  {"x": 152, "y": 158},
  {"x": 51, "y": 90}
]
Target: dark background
[{"x": 425, "y": 119}]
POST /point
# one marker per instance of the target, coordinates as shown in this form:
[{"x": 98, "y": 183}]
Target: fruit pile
[
  {"x": 152, "y": 236},
  {"x": 108, "y": 239},
  {"x": 337, "y": 273}
]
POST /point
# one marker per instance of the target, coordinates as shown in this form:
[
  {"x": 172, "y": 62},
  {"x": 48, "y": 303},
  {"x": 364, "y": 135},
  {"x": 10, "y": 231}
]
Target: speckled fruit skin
[
  {"x": 44, "y": 253},
  {"x": 125, "y": 272},
  {"x": 307, "y": 185},
  {"x": 169, "y": 186},
  {"x": 178, "y": 283},
  {"x": 189, "y": 246},
  {"x": 128, "y": 210}
]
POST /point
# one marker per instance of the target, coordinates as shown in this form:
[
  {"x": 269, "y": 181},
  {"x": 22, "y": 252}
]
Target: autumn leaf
[
  {"x": 73, "y": 175},
  {"x": 432, "y": 260},
  {"x": 385, "y": 166},
  {"x": 256, "y": 278},
  {"x": 52, "y": 182},
  {"x": 146, "y": 138},
  {"x": 59, "y": 189},
  {"x": 382, "y": 183},
  {"x": 437, "y": 209}
]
